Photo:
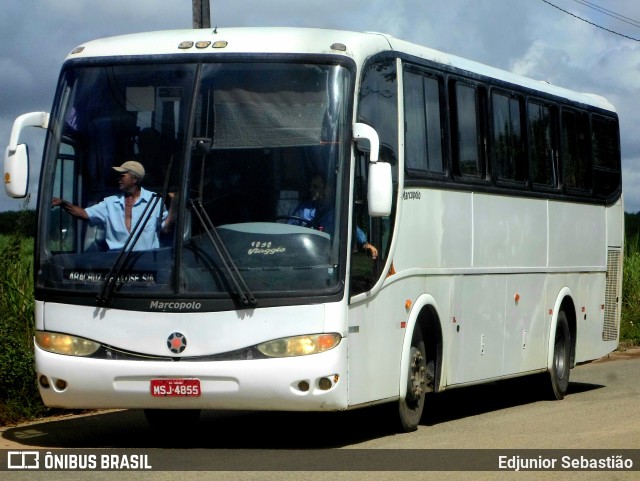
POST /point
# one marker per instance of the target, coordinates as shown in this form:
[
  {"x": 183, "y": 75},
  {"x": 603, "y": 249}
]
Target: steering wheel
[{"x": 301, "y": 220}]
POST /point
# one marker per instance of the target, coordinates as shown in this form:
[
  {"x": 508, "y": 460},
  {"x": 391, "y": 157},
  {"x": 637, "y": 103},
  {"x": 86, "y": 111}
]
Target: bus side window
[
  {"x": 575, "y": 152},
  {"x": 606, "y": 156},
  {"x": 378, "y": 108},
  {"x": 507, "y": 152},
  {"x": 64, "y": 232},
  {"x": 424, "y": 142},
  {"x": 468, "y": 154},
  {"x": 362, "y": 267},
  {"x": 542, "y": 144}
]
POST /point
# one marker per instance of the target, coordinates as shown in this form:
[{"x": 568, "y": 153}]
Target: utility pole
[{"x": 201, "y": 14}]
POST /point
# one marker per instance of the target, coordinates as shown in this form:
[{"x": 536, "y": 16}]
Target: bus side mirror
[
  {"x": 380, "y": 189},
  {"x": 16, "y": 158},
  {"x": 16, "y": 171}
]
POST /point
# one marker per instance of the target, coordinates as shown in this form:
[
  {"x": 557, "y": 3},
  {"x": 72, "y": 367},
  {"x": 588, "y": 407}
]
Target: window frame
[{"x": 415, "y": 171}]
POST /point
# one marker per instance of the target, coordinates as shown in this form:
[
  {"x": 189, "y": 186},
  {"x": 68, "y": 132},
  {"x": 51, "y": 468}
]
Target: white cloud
[
  {"x": 620, "y": 68},
  {"x": 540, "y": 58}
]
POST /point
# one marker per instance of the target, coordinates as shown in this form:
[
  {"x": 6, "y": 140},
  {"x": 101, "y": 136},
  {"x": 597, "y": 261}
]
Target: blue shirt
[
  {"x": 325, "y": 221},
  {"x": 110, "y": 213}
]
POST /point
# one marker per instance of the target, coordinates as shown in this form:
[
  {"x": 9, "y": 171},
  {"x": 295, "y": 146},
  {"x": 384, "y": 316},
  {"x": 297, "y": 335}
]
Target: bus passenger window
[
  {"x": 467, "y": 149},
  {"x": 541, "y": 144},
  {"x": 423, "y": 125},
  {"x": 606, "y": 156},
  {"x": 508, "y": 158},
  {"x": 575, "y": 151}
]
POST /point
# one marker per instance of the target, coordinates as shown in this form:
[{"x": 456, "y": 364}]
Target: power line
[
  {"x": 591, "y": 23},
  {"x": 610, "y": 13}
]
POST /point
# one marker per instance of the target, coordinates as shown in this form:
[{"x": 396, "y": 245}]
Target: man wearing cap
[{"x": 120, "y": 213}]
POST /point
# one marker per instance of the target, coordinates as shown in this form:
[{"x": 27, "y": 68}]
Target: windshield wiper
[
  {"x": 114, "y": 273},
  {"x": 242, "y": 290}
]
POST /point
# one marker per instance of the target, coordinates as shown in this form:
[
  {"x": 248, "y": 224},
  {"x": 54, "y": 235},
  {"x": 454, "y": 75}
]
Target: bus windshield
[{"x": 230, "y": 154}]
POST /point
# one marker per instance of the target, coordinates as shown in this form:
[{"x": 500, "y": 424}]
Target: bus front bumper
[{"x": 306, "y": 383}]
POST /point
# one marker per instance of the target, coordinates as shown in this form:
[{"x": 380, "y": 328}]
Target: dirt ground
[{"x": 623, "y": 352}]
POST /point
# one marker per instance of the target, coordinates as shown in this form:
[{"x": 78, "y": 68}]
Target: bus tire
[
  {"x": 561, "y": 362},
  {"x": 161, "y": 419},
  {"x": 411, "y": 407}
]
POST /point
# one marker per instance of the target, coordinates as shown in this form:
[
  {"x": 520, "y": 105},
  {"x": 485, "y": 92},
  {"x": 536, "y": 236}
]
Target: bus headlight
[
  {"x": 65, "y": 344},
  {"x": 300, "y": 345}
]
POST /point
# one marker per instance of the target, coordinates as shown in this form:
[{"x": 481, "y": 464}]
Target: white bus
[{"x": 494, "y": 202}]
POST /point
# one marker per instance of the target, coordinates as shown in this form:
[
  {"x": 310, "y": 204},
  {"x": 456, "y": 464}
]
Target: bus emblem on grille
[{"x": 176, "y": 342}]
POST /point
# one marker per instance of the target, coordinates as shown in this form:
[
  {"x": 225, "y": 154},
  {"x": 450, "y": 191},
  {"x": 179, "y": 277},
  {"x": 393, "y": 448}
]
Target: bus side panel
[
  {"x": 526, "y": 324},
  {"x": 590, "y": 318},
  {"x": 580, "y": 237},
  {"x": 376, "y": 334},
  {"x": 577, "y": 236},
  {"x": 509, "y": 232},
  {"x": 615, "y": 224},
  {"x": 476, "y": 349},
  {"x": 434, "y": 231}
]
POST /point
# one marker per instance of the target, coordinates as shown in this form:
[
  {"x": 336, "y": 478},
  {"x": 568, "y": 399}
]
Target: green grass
[
  {"x": 630, "y": 322},
  {"x": 19, "y": 397}
]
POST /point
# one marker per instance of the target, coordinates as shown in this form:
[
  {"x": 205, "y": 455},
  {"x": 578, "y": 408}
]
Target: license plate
[{"x": 175, "y": 387}]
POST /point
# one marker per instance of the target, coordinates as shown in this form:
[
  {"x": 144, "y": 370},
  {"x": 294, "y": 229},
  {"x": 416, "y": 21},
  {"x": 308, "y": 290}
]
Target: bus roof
[{"x": 293, "y": 40}]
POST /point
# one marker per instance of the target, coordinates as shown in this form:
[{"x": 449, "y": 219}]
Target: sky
[{"x": 589, "y": 46}]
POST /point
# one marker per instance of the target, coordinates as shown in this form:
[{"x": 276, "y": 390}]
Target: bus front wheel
[
  {"x": 410, "y": 408},
  {"x": 561, "y": 364}
]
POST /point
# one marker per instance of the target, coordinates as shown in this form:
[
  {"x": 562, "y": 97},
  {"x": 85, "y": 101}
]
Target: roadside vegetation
[
  {"x": 630, "y": 322},
  {"x": 19, "y": 397}
]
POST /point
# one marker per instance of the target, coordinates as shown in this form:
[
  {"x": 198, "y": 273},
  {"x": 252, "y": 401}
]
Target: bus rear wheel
[
  {"x": 561, "y": 364},
  {"x": 411, "y": 407}
]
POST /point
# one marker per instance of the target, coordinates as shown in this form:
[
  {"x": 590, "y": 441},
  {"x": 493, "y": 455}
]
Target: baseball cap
[{"x": 131, "y": 166}]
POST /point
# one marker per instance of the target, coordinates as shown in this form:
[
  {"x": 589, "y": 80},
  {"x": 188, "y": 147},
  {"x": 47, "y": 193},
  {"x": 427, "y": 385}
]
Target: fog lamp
[{"x": 325, "y": 384}]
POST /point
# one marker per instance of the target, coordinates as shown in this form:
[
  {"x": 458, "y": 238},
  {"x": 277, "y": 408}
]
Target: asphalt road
[{"x": 600, "y": 411}]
